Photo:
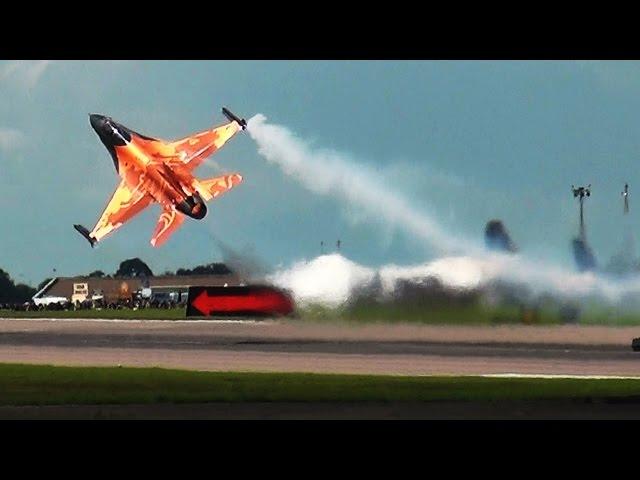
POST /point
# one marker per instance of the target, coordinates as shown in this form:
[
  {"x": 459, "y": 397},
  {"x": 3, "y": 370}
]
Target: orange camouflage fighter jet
[{"x": 154, "y": 170}]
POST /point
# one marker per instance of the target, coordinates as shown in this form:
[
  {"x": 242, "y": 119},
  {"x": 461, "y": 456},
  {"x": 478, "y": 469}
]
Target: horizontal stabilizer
[
  {"x": 214, "y": 187},
  {"x": 85, "y": 233},
  {"x": 234, "y": 118},
  {"x": 169, "y": 222}
]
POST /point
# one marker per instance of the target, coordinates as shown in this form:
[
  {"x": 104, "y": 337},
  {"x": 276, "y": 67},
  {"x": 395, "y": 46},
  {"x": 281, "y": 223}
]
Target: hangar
[{"x": 114, "y": 289}]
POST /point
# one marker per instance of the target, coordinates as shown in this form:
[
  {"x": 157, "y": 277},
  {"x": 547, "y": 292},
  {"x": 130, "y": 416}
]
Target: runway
[{"x": 398, "y": 349}]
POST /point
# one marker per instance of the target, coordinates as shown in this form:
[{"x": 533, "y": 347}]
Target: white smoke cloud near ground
[
  {"x": 464, "y": 264},
  {"x": 332, "y": 279},
  {"x": 327, "y": 279}
]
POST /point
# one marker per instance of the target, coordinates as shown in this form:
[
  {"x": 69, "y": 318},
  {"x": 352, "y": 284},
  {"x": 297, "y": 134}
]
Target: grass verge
[
  {"x": 49, "y": 385},
  {"x": 125, "y": 314},
  {"x": 366, "y": 314}
]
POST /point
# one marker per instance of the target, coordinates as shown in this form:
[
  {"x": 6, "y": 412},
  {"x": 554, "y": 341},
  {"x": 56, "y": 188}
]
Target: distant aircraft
[{"x": 154, "y": 170}]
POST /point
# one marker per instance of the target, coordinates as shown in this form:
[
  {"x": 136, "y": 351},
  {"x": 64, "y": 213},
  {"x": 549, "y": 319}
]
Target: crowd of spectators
[{"x": 128, "y": 303}]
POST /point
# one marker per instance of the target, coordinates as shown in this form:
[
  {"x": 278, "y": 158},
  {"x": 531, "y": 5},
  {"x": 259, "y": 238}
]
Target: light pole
[{"x": 580, "y": 193}]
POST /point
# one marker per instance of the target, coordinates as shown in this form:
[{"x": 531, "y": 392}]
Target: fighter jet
[{"x": 158, "y": 171}]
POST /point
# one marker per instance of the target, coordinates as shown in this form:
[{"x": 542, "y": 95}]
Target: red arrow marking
[{"x": 260, "y": 301}]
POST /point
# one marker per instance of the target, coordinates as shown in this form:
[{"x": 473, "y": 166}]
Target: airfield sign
[{"x": 243, "y": 301}]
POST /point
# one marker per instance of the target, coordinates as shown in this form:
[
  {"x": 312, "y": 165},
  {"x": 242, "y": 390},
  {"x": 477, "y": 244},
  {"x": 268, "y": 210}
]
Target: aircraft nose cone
[{"x": 97, "y": 121}]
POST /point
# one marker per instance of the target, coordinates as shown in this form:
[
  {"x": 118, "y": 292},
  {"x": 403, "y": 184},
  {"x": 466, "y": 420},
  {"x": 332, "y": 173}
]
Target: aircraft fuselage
[{"x": 143, "y": 172}]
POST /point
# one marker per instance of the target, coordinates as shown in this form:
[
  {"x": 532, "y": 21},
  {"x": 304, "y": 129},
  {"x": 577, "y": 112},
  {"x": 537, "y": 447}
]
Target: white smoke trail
[
  {"x": 332, "y": 173},
  {"x": 332, "y": 278}
]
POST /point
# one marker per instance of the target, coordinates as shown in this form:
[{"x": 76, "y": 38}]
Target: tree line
[{"x": 10, "y": 292}]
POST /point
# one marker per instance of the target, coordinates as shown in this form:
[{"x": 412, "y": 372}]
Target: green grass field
[
  {"x": 468, "y": 315},
  {"x": 473, "y": 314},
  {"x": 48, "y": 385}
]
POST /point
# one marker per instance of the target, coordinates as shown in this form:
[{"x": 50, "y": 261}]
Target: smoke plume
[
  {"x": 332, "y": 173},
  {"x": 462, "y": 264}
]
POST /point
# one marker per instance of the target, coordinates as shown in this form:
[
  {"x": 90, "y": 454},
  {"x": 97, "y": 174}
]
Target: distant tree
[
  {"x": 23, "y": 293},
  {"x": 96, "y": 274},
  {"x": 12, "y": 293},
  {"x": 133, "y": 267},
  {"x": 6, "y": 287},
  {"x": 5, "y": 279},
  {"x": 168, "y": 273},
  {"x": 209, "y": 269}
]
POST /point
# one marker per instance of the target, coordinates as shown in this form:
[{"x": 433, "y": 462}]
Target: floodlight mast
[{"x": 581, "y": 193}]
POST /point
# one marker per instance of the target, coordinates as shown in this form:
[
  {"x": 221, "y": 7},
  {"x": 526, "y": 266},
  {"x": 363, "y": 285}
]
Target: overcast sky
[{"x": 466, "y": 141}]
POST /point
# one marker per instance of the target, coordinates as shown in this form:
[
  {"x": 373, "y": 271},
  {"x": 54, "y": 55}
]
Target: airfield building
[{"x": 117, "y": 289}]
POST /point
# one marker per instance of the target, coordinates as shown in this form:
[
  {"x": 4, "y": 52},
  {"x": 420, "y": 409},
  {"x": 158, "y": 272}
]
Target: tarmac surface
[{"x": 398, "y": 349}]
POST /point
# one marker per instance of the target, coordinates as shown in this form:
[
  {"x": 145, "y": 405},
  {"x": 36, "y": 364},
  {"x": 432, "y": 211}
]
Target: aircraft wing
[
  {"x": 169, "y": 222},
  {"x": 192, "y": 150},
  {"x": 122, "y": 207}
]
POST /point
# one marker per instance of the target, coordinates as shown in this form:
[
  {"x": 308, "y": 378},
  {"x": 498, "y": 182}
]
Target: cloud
[
  {"x": 10, "y": 139},
  {"x": 25, "y": 73}
]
